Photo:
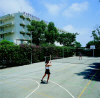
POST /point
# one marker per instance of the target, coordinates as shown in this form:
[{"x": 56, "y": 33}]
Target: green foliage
[
  {"x": 51, "y": 26},
  {"x": 51, "y": 33},
  {"x": 38, "y": 29},
  {"x": 67, "y": 39},
  {"x": 96, "y": 34},
  {"x": 5, "y": 42},
  {"x": 10, "y": 53},
  {"x": 96, "y": 43},
  {"x": 42, "y": 33},
  {"x": 88, "y": 52},
  {"x": 78, "y": 45},
  {"x": 96, "y": 38},
  {"x": 46, "y": 45},
  {"x": 16, "y": 55}
]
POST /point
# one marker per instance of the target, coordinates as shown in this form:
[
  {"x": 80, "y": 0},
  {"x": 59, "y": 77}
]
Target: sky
[{"x": 81, "y": 16}]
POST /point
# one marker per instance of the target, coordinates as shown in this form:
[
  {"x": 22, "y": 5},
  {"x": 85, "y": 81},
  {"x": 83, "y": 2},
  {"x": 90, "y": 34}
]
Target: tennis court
[{"x": 70, "y": 78}]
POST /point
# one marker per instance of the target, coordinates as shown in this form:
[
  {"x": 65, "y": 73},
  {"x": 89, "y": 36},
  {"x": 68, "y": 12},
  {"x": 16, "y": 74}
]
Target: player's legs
[
  {"x": 80, "y": 57},
  {"x": 48, "y": 77},
  {"x": 43, "y": 76}
]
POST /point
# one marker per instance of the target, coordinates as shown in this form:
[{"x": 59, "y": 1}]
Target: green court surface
[{"x": 70, "y": 78}]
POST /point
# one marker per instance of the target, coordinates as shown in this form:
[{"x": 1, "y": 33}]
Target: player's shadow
[{"x": 92, "y": 73}]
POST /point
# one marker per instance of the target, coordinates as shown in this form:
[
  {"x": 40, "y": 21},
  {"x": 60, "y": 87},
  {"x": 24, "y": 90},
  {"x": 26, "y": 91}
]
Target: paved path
[{"x": 70, "y": 78}]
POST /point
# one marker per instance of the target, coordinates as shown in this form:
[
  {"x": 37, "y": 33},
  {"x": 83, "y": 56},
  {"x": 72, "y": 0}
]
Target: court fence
[{"x": 88, "y": 52}]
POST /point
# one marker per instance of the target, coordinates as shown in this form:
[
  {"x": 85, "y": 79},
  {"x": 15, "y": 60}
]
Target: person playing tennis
[
  {"x": 80, "y": 56},
  {"x": 47, "y": 70}
]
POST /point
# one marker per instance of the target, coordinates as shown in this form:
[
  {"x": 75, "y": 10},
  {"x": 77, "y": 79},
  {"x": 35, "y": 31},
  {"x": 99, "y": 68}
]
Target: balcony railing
[
  {"x": 22, "y": 32},
  {"x": 6, "y": 32},
  {"x": 22, "y": 23},
  {"x": 28, "y": 33},
  {"x": 22, "y": 16},
  {"x": 28, "y": 18},
  {"x": 7, "y": 17},
  {"x": 7, "y": 24}
]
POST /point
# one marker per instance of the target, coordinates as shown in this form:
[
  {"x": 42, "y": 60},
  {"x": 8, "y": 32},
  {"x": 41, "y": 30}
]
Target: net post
[
  {"x": 93, "y": 52},
  {"x": 45, "y": 59},
  {"x": 50, "y": 57}
]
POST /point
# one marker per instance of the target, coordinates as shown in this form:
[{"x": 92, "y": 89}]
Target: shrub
[
  {"x": 5, "y": 42},
  {"x": 16, "y": 55}
]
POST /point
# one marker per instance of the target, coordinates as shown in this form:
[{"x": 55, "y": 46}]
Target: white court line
[
  {"x": 63, "y": 88},
  {"x": 39, "y": 85},
  {"x": 27, "y": 79},
  {"x": 34, "y": 90}
]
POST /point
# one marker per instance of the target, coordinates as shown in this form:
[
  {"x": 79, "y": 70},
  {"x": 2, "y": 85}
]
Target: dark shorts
[{"x": 47, "y": 71}]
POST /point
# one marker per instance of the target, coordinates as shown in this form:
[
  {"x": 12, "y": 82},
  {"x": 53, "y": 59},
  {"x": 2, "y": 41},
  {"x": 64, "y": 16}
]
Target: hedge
[{"x": 16, "y": 55}]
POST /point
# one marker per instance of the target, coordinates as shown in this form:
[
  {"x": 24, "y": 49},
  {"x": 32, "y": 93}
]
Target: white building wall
[
  {"x": 17, "y": 31},
  {"x": 7, "y": 28}
]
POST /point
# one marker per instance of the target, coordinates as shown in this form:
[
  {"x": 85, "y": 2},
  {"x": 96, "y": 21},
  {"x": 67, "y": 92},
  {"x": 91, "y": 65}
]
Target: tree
[
  {"x": 67, "y": 39},
  {"x": 38, "y": 30},
  {"x": 78, "y": 45},
  {"x": 51, "y": 33},
  {"x": 6, "y": 42},
  {"x": 96, "y": 34},
  {"x": 96, "y": 43}
]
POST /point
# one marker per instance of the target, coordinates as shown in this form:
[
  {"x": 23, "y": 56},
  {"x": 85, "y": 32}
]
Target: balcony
[
  {"x": 6, "y": 17},
  {"x": 22, "y": 32},
  {"x": 28, "y": 33},
  {"x": 22, "y": 16},
  {"x": 6, "y": 32},
  {"x": 28, "y": 18},
  {"x": 7, "y": 24},
  {"x": 22, "y": 24}
]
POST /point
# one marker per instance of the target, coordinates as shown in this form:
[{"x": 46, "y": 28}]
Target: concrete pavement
[{"x": 70, "y": 78}]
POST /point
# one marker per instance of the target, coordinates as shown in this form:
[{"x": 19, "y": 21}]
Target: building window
[
  {"x": 1, "y": 22},
  {"x": 2, "y": 29},
  {"x": 1, "y": 36}
]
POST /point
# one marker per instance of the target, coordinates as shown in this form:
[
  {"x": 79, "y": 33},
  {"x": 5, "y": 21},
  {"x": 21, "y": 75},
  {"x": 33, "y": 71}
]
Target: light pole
[
  {"x": 75, "y": 50},
  {"x": 63, "y": 48},
  {"x": 31, "y": 47}
]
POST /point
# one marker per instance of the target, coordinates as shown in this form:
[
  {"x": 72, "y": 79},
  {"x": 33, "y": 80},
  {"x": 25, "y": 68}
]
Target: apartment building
[{"x": 13, "y": 27}]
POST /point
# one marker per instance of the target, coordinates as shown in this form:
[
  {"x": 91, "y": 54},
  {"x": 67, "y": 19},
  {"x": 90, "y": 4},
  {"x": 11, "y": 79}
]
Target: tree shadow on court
[{"x": 92, "y": 73}]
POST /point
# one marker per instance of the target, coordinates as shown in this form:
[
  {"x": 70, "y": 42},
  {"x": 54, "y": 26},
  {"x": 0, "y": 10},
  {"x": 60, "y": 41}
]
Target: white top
[{"x": 47, "y": 67}]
